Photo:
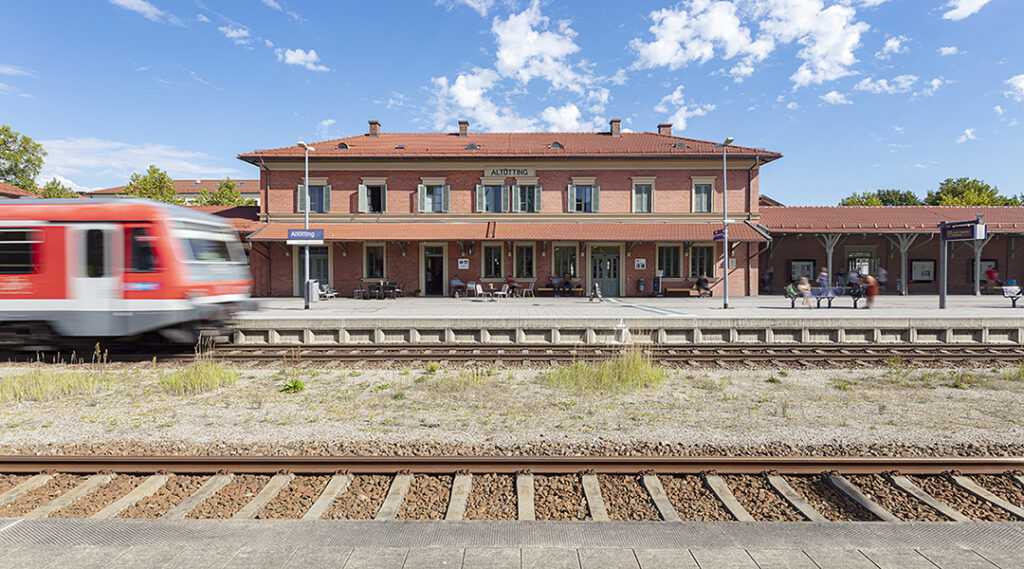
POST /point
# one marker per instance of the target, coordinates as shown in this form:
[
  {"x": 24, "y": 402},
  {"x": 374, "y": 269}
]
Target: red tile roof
[
  {"x": 499, "y": 231},
  {"x": 194, "y": 187},
  {"x": 508, "y": 145},
  {"x": 886, "y": 219},
  {"x": 10, "y": 191},
  {"x": 244, "y": 218}
]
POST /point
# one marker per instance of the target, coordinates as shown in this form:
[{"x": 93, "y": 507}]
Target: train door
[{"x": 96, "y": 271}]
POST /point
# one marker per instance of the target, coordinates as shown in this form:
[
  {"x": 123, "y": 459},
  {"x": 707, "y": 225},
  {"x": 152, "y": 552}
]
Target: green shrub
[
  {"x": 432, "y": 367},
  {"x": 293, "y": 386}
]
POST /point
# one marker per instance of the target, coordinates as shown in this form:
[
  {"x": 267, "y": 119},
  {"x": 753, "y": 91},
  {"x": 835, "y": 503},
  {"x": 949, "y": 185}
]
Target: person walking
[
  {"x": 870, "y": 290},
  {"x": 883, "y": 279},
  {"x": 803, "y": 288},
  {"x": 823, "y": 277}
]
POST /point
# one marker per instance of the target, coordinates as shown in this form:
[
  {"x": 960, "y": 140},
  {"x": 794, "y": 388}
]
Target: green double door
[{"x": 604, "y": 269}]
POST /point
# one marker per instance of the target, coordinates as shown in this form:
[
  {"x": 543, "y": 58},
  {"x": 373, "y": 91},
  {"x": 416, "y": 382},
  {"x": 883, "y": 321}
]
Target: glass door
[{"x": 604, "y": 269}]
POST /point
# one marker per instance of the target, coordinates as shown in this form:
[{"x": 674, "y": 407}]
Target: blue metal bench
[{"x": 828, "y": 294}]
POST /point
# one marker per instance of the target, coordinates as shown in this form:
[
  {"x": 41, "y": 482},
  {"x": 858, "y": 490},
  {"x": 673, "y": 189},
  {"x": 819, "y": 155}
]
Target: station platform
[
  {"x": 986, "y": 319},
  {"x": 498, "y": 545}
]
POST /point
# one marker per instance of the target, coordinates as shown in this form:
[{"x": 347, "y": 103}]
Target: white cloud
[
  {"x": 528, "y": 49},
  {"x": 933, "y": 86},
  {"x": 323, "y": 126},
  {"x": 893, "y": 46},
  {"x": 310, "y": 60},
  {"x": 683, "y": 111},
  {"x": 949, "y": 50},
  {"x": 898, "y": 84},
  {"x": 112, "y": 162},
  {"x": 836, "y": 98},
  {"x": 481, "y": 6},
  {"x": 1016, "y": 90},
  {"x": 698, "y": 30},
  {"x": 12, "y": 70},
  {"x": 146, "y": 10},
  {"x": 999, "y": 110},
  {"x": 466, "y": 97},
  {"x": 967, "y": 135},
  {"x": 268, "y": 43},
  {"x": 568, "y": 118},
  {"x": 870, "y": 3},
  {"x": 202, "y": 18},
  {"x": 239, "y": 35},
  {"x": 273, "y": 4},
  {"x": 963, "y": 8},
  {"x": 793, "y": 105},
  {"x": 277, "y": 6}
]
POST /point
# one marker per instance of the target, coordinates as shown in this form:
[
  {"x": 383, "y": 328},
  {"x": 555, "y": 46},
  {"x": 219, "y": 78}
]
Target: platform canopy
[
  {"x": 886, "y": 219},
  {"x": 499, "y": 231}
]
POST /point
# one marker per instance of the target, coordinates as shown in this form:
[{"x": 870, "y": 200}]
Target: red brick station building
[{"x": 613, "y": 208}]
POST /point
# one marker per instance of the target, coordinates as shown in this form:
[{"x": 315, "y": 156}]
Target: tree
[
  {"x": 226, "y": 194},
  {"x": 154, "y": 185},
  {"x": 968, "y": 192},
  {"x": 21, "y": 159},
  {"x": 56, "y": 190},
  {"x": 882, "y": 197}
]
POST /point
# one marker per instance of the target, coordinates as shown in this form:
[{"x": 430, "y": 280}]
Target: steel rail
[{"x": 506, "y": 464}]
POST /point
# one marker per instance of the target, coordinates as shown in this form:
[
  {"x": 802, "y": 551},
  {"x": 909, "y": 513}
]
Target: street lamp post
[
  {"x": 725, "y": 225},
  {"x": 305, "y": 192}
]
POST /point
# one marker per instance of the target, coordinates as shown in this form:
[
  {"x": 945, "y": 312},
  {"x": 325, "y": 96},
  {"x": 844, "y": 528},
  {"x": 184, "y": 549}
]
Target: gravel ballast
[
  {"x": 829, "y": 501},
  {"x": 626, "y": 499},
  {"x": 362, "y": 499},
  {"x": 895, "y": 501},
  {"x": 492, "y": 497},
  {"x": 693, "y": 500},
  {"x": 53, "y": 489},
  {"x": 760, "y": 499},
  {"x": 1003, "y": 487},
  {"x": 174, "y": 492},
  {"x": 8, "y": 481},
  {"x": 427, "y": 498},
  {"x": 559, "y": 498},
  {"x": 941, "y": 488},
  {"x": 295, "y": 498},
  {"x": 99, "y": 498},
  {"x": 231, "y": 498}
]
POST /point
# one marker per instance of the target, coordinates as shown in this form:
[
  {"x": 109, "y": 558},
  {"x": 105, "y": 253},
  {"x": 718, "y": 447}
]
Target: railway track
[{"x": 523, "y": 488}]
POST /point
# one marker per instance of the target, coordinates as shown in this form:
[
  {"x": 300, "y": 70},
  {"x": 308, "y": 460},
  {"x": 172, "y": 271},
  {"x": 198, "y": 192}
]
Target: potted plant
[{"x": 416, "y": 292}]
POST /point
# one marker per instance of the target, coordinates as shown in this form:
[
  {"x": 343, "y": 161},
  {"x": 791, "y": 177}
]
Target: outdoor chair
[
  {"x": 327, "y": 292},
  {"x": 361, "y": 293},
  {"x": 481, "y": 292},
  {"x": 503, "y": 293},
  {"x": 528, "y": 291},
  {"x": 1013, "y": 293},
  {"x": 471, "y": 288}
]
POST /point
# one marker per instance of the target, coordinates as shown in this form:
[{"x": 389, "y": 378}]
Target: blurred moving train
[{"x": 116, "y": 269}]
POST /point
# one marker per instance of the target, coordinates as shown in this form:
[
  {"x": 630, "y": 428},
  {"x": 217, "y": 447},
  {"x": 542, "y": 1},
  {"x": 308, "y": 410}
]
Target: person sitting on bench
[
  {"x": 457, "y": 286},
  {"x": 703, "y": 286}
]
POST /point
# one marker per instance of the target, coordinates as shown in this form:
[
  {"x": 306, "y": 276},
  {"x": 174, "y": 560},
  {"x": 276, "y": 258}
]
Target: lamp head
[
  {"x": 306, "y": 147},
  {"x": 727, "y": 142}
]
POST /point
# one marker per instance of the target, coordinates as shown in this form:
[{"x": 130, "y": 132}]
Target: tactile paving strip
[{"x": 653, "y": 535}]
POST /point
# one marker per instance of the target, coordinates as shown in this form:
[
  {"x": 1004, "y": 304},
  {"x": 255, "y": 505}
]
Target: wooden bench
[
  {"x": 1013, "y": 293},
  {"x": 550, "y": 291}
]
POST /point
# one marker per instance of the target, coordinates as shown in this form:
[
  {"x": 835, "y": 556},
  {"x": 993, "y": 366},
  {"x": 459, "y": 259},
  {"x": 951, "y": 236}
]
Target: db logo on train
[{"x": 16, "y": 285}]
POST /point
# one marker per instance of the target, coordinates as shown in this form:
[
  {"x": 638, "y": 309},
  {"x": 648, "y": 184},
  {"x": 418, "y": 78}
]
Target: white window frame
[
  {"x": 702, "y": 180},
  {"x": 365, "y": 186},
  {"x": 576, "y": 250},
  {"x": 362, "y": 270},
  {"x": 642, "y": 181},
  {"x": 422, "y": 279},
  {"x": 683, "y": 273},
  {"x": 483, "y": 261},
  {"x": 714, "y": 258}
]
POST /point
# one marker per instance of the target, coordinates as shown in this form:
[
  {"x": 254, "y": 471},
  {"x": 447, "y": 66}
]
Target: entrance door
[
  {"x": 96, "y": 273},
  {"x": 433, "y": 270},
  {"x": 604, "y": 269},
  {"x": 319, "y": 265}
]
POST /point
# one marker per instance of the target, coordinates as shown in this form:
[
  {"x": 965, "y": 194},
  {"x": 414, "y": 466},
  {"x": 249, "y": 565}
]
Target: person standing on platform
[
  {"x": 883, "y": 279},
  {"x": 991, "y": 279},
  {"x": 823, "y": 277},
  {"x": 870, "y": 289}
]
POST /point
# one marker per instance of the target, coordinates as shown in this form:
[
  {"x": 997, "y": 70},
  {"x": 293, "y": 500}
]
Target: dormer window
[
  {"x": 556, "y": 146},
  {"x": 681, "y": 145},
  {"x": 400, "y": 147},
  {"x": 342, "y": 146},
  {"x": 472, "y": 146}
]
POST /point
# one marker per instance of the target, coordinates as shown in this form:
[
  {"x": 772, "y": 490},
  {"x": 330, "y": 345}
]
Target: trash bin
[
  {"x": 641, "y": 284},
  {"x": 313, "y": 290}
]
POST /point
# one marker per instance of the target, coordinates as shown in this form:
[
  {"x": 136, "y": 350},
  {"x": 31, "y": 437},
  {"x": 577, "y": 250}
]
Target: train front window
[
  {"x": 209, "y": 244},
  {"x": 95, "y": 253},
  {"x": 208, "y": 250},
  {"x": 140, "y": 251},
  {"x": 17, "y": 251}
]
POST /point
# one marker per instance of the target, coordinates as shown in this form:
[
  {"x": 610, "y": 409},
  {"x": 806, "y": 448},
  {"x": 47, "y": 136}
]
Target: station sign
[
  {"x": 964, "y": 231},
  {"x": 305, "y": 236},
  {"x": 719, "y": 234}
]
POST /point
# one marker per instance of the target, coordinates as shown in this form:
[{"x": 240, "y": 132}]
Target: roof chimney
[
  {"x": 665, "y": 128},
  {"x": 463, "y": 128},
  {"x": 374, "y": 128},
  {"x": 616, "y": 127}
]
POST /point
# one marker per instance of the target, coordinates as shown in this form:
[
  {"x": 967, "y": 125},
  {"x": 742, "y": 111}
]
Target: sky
[{"x": 856, "y": 94}]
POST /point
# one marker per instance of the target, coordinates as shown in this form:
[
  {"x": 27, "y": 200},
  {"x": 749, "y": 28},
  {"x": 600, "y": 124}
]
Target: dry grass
[
  {"x": 43, "y": 384},
  {"x": 632, "y": 371},
  {"x": 203, "y": 375}
]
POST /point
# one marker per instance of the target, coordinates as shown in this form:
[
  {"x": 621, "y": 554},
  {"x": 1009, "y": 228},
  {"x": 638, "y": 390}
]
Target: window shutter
[
  {"x": 479, "y": 198},
  {"x": 571, "y": 200},
  {"x": 300, "y": 199},
  {"x": 446, "y": 198},
  {"x": 421, "y": 198},
  {"x": 363, "y": 200},
  {"x": 327, "y": 199},
  {"x": 505, "y": 191},
  {"x": 650, "y": 200},
  {"x": 595, "y": 198},
  {"x": 515, "y": 198},
  {"x": 536, "y": 199},
  {"x": 384, "y": 198}
]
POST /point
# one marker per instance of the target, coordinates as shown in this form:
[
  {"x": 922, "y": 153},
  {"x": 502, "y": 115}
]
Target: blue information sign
[
  {"x": 305, "y": 236},
  {"x": 719, "y": 234}
]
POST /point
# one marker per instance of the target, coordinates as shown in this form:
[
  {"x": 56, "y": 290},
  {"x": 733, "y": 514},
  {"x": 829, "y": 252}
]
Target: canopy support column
[
  {"x": 978, "y": 245},
  {"x": 903, "y": 241},
  {"x": 830, "y": 241}
]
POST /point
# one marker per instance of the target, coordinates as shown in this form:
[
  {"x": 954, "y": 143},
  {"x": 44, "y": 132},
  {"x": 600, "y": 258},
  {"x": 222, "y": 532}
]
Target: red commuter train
[{"x": 116, "y": 269}]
